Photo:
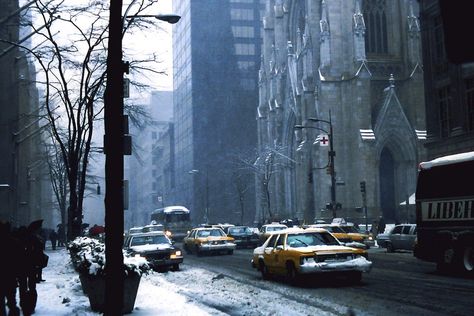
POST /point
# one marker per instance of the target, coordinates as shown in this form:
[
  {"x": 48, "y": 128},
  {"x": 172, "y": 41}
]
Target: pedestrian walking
[
  {"x": 9, "y": 271},
  {"x": 53, "y": 236},
  {"x": 34, "y": 261},
  {"x": 61, "y": 235}
]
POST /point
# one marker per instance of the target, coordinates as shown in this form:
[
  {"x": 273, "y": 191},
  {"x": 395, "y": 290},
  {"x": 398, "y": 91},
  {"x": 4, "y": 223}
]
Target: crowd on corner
[{"x": 21, "y": 269}]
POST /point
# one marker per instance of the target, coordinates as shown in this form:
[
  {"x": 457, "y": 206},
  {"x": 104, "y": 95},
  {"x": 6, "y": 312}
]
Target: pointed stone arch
[{"x": 396, "y": 155}]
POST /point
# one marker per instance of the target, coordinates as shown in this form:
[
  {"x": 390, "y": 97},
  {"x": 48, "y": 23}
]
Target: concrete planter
[{"x": 94, "y": 287}]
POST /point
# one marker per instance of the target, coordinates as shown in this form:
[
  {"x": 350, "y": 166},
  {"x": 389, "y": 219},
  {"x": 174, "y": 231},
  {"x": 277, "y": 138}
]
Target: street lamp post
[
  {"x": 114, "y": 162},
  {"x": 331, "y": 155}
]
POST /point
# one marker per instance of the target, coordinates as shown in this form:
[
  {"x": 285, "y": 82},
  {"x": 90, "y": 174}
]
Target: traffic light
[{"x": 362, "y": 187}]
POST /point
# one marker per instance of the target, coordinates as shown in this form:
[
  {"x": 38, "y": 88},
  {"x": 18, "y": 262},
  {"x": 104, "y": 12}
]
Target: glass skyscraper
[{"x": 216, "y": 57}]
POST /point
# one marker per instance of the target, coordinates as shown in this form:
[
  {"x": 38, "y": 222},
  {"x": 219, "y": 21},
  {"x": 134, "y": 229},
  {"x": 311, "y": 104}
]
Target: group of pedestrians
[{"x": 20, "y": 267}]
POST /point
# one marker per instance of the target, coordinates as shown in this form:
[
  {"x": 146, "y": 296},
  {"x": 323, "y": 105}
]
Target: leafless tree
[
  {"x": 71, "y": 55},
  {"x": 264, "y": 165}
]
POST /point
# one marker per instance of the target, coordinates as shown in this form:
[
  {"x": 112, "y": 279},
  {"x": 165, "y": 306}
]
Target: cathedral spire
[{"x": 325, "y": 35}]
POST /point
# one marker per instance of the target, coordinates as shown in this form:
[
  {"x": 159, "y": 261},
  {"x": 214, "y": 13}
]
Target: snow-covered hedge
[{"x": 88, "y": 256}]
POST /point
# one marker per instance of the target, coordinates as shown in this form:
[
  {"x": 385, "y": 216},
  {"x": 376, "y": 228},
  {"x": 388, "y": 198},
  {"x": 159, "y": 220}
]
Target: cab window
[
  {"x": 280, "y": 241},
  {"x": 272, "y": 240}
]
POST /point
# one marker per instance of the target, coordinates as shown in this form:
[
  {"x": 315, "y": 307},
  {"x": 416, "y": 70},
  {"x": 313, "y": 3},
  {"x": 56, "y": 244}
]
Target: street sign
[{"x": 323, "y": 140}]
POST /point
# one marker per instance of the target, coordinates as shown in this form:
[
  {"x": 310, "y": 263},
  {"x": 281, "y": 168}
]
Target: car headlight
[
  {"x": 138, "y": 255},
  {"x": 168, "y": 233},
  {"x": 176, "y": 254},
  {"x": 304, "y": 260}
]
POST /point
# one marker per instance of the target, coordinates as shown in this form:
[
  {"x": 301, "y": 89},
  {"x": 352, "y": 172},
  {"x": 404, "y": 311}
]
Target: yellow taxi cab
[
  {"x": 208, "y": 240},
  {"x": 295, "y": 251},
  {"x": 268, "y": 229},
  {"x": 357, "y": 236}
]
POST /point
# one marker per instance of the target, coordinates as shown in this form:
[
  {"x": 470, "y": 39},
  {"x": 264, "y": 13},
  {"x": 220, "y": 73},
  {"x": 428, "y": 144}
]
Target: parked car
[
  {"x": 295, "y": 251},
  {"x": 243, "y": 236},
  {"x": 156, "y": 248},
  {"x": 401, "y": 237},
  {"x": 208, "y": 240},
  {"x": 268, "y": 229}
]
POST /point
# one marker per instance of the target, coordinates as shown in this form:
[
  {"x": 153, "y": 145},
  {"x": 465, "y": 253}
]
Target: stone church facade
[{"x": 353, "y": 66}]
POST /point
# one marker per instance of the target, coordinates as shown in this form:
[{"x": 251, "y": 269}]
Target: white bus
[{"x": 176, "y": 220}]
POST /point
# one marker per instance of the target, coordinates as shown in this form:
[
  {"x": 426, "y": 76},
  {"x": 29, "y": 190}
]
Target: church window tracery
[{"x": 376, "y": 26}]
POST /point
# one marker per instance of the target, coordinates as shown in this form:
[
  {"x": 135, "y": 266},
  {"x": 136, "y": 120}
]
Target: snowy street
[{"x": 227, "y": 285}]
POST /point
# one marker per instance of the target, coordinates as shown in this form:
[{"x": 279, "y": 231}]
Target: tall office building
[
  {"x": 216, "y": 50},
  {"x": 25, "y": 190}
]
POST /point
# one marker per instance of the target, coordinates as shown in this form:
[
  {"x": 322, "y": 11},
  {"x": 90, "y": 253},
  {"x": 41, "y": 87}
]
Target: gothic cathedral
[{"x": 341, "y": 114}]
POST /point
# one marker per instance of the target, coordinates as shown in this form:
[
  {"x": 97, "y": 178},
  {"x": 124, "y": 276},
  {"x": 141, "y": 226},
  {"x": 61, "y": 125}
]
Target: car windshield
[
  {"x": 239, "y": 230},
  {"x": 149, "y": 240},
  {"x": 210, "y": 232},
  {"x": 275, "y": 228},
  {"x": 310, "y": 239}
]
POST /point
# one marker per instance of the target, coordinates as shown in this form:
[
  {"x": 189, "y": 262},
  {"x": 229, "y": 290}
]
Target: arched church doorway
[{"x": 387, "y": 185}]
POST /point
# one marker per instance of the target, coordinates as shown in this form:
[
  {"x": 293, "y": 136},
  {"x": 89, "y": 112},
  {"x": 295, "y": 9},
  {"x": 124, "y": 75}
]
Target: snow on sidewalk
[{"x": 61, "y": 294}]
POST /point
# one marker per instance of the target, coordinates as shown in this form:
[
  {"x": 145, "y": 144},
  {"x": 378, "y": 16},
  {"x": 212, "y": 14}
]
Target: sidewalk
[{"x": 61, "y": 293}]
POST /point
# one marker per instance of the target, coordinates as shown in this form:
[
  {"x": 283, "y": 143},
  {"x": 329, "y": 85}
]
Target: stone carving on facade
[
  {"x": 307, "y": 59},
  {"x": 278, "y": 8},
  {"x": 413, "y": 23},
  {"x": 358, "y": 21},
  {"x": 323, "y": 23}
]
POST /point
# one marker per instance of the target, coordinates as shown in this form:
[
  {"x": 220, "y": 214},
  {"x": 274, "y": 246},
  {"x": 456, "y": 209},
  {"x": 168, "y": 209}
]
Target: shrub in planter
[{"x": 88, "y": 258}]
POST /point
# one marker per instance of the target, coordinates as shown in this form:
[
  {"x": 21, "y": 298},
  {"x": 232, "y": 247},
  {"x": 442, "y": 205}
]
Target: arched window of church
[{"x": 376, "y": 26}]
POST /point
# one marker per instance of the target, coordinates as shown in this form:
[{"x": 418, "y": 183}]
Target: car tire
[
  {"x": 186, "y": 248},
  {"x": 175, "y": 267},
  {"x": 389, "y": 247},
  {"x": 230, "y": 252},
  {"x": 467, "y": 259},
  {"x": 198, "y": 252},
  {"x": 355, "y": 276},
  {"x": 291, "y": 273},
  {"x": 264, "y": 270}
]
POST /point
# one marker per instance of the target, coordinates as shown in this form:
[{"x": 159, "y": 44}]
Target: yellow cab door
[{"x": 273, "y": 256}]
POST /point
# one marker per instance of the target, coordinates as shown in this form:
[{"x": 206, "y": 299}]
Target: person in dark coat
[
  {"x": 53, "y": 236},
  {"x": 9, "y": 270},
  {"x": 33, "y": 253},
  {"x": 61, "y": 235}
]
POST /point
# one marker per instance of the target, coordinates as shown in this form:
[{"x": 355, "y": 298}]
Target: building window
[
  {"x": 444, "y": 101},
  {"x": 470, "y": 103},
  {"x": 243, "y": 31},
  {"x": 242, "y": 14},
  {"x": 244, "y": 49},
  {"x": 376, "y": 26}
]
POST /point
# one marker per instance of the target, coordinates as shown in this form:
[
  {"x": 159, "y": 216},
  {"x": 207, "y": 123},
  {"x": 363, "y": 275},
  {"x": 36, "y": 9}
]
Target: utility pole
[{"x": 114, "y": 145}]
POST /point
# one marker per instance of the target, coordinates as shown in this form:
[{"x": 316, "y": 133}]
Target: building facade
[
  {"x": 25, "y": 189},
  {"x": 449, "y": 88},
  {"x": 354, "y": 67},
  {"x": 216, "y": 56},
  {"x": 149, "y": 167}
]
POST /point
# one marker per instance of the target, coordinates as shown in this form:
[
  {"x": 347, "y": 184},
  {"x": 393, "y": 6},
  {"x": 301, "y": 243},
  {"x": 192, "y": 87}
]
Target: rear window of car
[
  {"x": 149, "y": 240},
  {"x": 239, "y": 230},
  {"x": 275, "y": 228},
  {"x": 210, "y": 232}
]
